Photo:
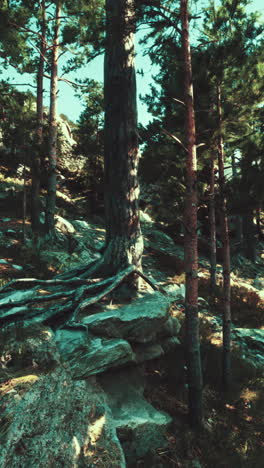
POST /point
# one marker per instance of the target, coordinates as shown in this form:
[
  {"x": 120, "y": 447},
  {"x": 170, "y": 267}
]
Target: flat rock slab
[
  {"x": 88, "y": 355},
  {"x": 140, "y": 427},
  {"x": 61, "y": 423},
  {"x": 137, "y": 322}
]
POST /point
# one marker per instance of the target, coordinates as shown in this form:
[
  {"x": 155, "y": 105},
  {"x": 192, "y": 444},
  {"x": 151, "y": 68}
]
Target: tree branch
[{"x": 175, "y": 139}]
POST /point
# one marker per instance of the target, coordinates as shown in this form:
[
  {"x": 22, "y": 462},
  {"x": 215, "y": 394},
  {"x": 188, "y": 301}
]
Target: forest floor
[{"x": 234, "y": 424}]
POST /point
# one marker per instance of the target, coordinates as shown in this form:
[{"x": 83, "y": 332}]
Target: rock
[
  {"x": 11, "y": 232},
  {"x": 80, "y": 224},
  {"x": 145, "y": 218},
  {"x": 175, "y": 290},
  {"x": 161, "y": 240},
  {"x": 250, "y": 345},
  {"x": 17, "y": 267},
  {"x": 63, "y": 225},
  {"x": 140, "y": 427},
  {"x": 61, "y": 423},
  {"x": 147, "y": 352},
  {"x": 137, "y": 322},
  {"x": 88, "y": 355},
  {"x": 3, "y": 262},
  {"x": 170, "y": 344},
  {"x": 170, "y": 328}
]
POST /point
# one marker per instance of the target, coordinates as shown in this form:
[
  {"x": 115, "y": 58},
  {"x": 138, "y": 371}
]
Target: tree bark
[
  {"x": 212, "y": 228},
  {"x": 124, "y": 242},
  {"x": 53, "y": 128},
  {"x": 190, "y": 238},
  {"x": 226, "y": 363},
  {"x": 36, "y": 159},
  {"x": 249, "y": 233},
  {"x": 258, "y": 222},
  {"x": 238, "y": 218}
]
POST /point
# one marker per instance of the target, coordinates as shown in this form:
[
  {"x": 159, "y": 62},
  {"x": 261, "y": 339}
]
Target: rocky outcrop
[
  {"x": 138, "y": 322},
  {"x": 82, "y": 402},
  {"x": 63, "y": 423},
  {"x": 138, "y": 424}
]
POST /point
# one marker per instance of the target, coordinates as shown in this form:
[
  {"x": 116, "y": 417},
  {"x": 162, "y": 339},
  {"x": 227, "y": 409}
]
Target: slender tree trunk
[
  {"x": 249, "y": 231},
  {"x": 53, "y": 128},
  {"x": 212, "y": 228},
  {"x": 124, "y": 242},
  {"x": 238, "y": 218},
  {"x": 258, "y": 222},
  {"x": 226, "y": 370},
  {"x": 24, "y": 202},
  {"x": 190, "y": 238},
  {"x": 36, "y": 159}
]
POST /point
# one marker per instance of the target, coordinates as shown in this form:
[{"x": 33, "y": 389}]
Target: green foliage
[
  {"x": 17, "y": 122},
  {"x": 89, "y": 135}
]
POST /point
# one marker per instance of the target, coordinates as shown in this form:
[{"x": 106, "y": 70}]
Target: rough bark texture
[
  {"x": 36, "y": 159},
  {"x": 124, "y": 242},
  {"x": 226, "y": 254},
  {"x": 53, "y": 128},
  {"x": 212, "y": 227},
  {"x": 190, "y": 238}
]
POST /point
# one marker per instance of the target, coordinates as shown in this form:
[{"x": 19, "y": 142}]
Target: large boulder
[
  {"x": 60, "y": 423},
  {"x": 140, "y": 427},
  {"x": 137, "y": 322}
]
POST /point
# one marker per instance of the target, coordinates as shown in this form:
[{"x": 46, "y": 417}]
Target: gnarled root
[{"x": 61, "y": 299}]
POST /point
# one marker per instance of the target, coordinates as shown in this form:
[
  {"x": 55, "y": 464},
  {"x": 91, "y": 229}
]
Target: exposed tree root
[{"x": 61, "y": 299}]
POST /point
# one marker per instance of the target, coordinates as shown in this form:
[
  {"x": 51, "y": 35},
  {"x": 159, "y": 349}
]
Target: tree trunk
[
  {"x": 258, "y": 223},
  {"x": 226, "y": 370},
  {"x": 238, "y": 218},
  {"x": 36, "y": 159},
  {"x": 53, "y": 128},
  {"x": 212, "y": 228},
  {"x": 249, "y": 232},
  {"x": 190, "y": 237},
  {"x": 24, "y": 202},
  {"x": 124, "y": 242}
]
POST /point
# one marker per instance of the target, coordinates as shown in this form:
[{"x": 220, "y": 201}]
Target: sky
[{"x": 72, "y": 106}]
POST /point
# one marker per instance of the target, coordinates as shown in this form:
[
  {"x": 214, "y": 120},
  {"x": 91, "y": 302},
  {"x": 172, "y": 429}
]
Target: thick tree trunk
[
  {"x": 53, "y": 128},
  {"x": 190, "y": 239},
  {"x": 124, "y": 242},
  {"x": 212, "y": 227},
  {"x": 36, "y": 159},
  {"x": 226, "y": 370}
]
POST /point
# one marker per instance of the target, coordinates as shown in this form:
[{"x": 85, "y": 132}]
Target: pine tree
[
  {"x": 53, "y": 127},
  {"x": 195, "y": 382}
]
